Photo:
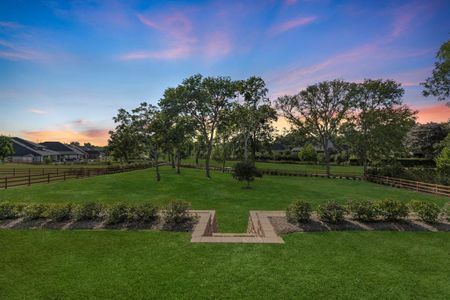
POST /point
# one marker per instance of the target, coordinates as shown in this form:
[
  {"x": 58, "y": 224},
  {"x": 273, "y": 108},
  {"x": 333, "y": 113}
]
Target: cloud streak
[
  {"x": 292, "y": 24},
  {"x": 37, "y": 111}
]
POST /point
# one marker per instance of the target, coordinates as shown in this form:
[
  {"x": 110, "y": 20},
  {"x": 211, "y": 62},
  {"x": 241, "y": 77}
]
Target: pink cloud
[
  {"x": 217, "y": 44},
  {"x": 167, "y": 54},
  {"x": 433, "y": 113},
  {"x": 288, "y": 25},
  {"x": 12, "y": 51}
]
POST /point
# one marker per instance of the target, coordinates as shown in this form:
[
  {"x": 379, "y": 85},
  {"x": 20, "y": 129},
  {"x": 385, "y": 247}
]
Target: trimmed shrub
[
  {"x": 426, "y": 211},
  {"x": 392, "y": 210},
  {"x": 445, "y": 213},
  {"x": 298, "y": 212},
  {"x": 116, "y": 213},
  {"x": 10, "y": 210},
  {"x": 87, "y": 211},
  {"x": 34, "y": 211},
  {"x": 143, "y": 213},
  {"x": 365, "y": 210},
  {"x": 245, "y": 171},
  {"x": 331, "y": 212},
  {"x": 59, "y": 212},
  {"x": 176, "y": 214}
]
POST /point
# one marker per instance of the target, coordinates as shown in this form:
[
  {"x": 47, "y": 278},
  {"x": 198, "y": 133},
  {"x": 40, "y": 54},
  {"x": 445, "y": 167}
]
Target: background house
[
  {"x": 29, "y": 152},
  {"x": 65, "y": 152}
]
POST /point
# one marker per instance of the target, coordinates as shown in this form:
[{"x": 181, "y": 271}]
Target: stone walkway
[{"x": 259, "y": 229}]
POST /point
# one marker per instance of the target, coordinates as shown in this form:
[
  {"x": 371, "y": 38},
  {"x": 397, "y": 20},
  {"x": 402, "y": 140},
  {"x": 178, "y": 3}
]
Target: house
[
  {"x": 65, "y": 152},
  {"x": 93, "y": 152},
  {"x": 29, "y": 152},
  {"x": 318, "y": 148}
]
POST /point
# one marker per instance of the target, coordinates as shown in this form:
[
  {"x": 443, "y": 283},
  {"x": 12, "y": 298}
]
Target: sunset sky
[{"x": 67, "y": 66}]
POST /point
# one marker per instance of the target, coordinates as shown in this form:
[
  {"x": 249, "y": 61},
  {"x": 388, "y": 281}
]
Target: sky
[{"x": 66, "y": 67}]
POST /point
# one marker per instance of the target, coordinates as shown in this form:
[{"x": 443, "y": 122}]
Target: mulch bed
[
  {"x": 90, "y": 224},
  {"x": 282, "y": 226}
]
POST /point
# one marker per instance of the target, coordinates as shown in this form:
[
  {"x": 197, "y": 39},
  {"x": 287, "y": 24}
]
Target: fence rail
[
  {"x": 62, "y": 174},
  {"x": 436, "y": 189}
]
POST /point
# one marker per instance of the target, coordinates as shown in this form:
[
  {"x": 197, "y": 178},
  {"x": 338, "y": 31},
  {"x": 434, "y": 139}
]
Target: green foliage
[
  {"x": 142, "y": 213},
  {"x": 34, "y": 211},
  {"x": 6, "y": 147},
  {"x": 365, "y": 210},
  {"x": 392, "y": 210},
  {"x": 245, "y": 171},
  {"x": 443, "y": 161},
  {"x": 116, "y": 213},
  {"x": 438, "y": 84},
  {"x": 331, "y": 212},
  {"x": 176, "y": 215},
  {"x": 298, "y": 212},
  {"x": 10, "y": 210},
  {"x": 308, "y": 153},
  {"x": 59, "y": 212},
  {"x": 445, "y": 213},
  {"x": 87, "y": 211},
  {"x": 426, "y": 211}
]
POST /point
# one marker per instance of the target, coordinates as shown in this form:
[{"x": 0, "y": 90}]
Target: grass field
[
  {"x": 76, "y": 264},
  {"x": 221, "y": 192}
]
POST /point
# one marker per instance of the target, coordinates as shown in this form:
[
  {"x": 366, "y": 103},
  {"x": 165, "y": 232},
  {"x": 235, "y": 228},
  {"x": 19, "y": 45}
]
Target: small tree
[
  {"x": 308, "y": 153},
  {"x": 245, "y": 171},
  {"x": 6, "y": 147},
  {"x": 443, "y": 161},
  {"x": 438, "y": 84}
]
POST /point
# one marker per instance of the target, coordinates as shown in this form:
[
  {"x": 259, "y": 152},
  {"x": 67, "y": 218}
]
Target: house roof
[
  {"x": 23, "y": 148},
  {"x": 77, "y": 149},
  {"x": 61, "y": 148}
]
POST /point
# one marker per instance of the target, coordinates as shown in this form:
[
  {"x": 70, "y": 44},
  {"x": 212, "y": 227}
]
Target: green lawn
[
  {"x": 221, "y": 192},
  {"x": 343, "y": 169},
  {"x": 110, "y": 264}
]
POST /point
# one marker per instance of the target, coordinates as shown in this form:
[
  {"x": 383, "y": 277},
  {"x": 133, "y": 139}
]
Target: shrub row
[
  {"x": 367, "y": 211},
  {"x": 174, "y": 214}
]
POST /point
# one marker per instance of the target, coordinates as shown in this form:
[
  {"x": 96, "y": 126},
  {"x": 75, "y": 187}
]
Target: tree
[
  {"x": 6, "y": 147},
  {"x": 443, "y": 162},
  {"x": 438, "y": 85},
  {"x": 123, "y": 141},
  {"x": 246, "y": 171},
  {"x": 379, "y": 123},
  {"x": 319, "y": 111},
  {"x": 422, "y": 139},
  {"x": 308, "y": 153},
  {"x": 205, "y": 100},
  {"x": 257, "y": 115}
]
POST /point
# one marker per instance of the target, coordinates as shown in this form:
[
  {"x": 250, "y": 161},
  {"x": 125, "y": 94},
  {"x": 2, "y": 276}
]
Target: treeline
[{"x": 206, "y": 115}]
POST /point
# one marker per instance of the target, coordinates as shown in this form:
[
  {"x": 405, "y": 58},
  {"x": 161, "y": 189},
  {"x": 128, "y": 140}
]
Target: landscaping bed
[{"x": 282, "y": 226}]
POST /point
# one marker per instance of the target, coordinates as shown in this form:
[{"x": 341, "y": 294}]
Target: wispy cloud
[
  {"x": 37, "y": 111},
  {"x": 291, "y": 24},
  {"x": 12, "y": 51}
]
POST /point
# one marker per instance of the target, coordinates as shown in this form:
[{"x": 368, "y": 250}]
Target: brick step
[{"x": 217, "y": 234}]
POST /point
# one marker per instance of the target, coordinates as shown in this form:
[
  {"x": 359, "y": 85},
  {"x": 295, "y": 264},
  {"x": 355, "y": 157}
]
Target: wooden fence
[
  {"x": 436, "y": 189},
  {"x": 47, "y": 175}
]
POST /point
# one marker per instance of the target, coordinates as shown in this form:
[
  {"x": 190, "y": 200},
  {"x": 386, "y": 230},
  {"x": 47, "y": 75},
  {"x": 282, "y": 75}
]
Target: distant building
[
  {"x": 93, "y": 152},
  {"x": 29, "y": 152},
  {"x": 65, "y": 152}
]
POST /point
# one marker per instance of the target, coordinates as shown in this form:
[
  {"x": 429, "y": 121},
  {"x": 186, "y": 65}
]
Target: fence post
[
  {"x": 6, "y": 182},
  {"x": 29, "y": 178},
  {"x": 14, "y": 171},
  {"x": 48, "y": 178},
  {"x": 64, "y": 175}
]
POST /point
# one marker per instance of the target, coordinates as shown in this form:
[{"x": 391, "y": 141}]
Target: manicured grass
[
  {"x": 308, "y": 168},
  {"x": 221, "y": 192},
  {"x": 45, "y": 264}
]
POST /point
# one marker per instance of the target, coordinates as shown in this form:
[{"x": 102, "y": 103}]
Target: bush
[
  {"x": 10, "y": 210},
  {"x": 445, "y": 213},
  {"x": 245, "y": 171},
  {"x": 34, "y": 211},
  {"x": 365, "y": 211},
  {"x": 143, "y": 213},
  {"x": 331, "y": 212},
  {"x": 58, "y": 212},
  {"x": 176, "y": 214},
  {"x": 307, "y": 153},
  {"x": 426, "y": 211},
  {"x": 116, "y": 213},
  {"x": 392, "y": 210},
  {"x": 87, "y": 211},
  {"x": 298, "y": 212}
]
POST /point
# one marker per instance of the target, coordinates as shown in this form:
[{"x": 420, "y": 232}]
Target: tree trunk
[
  {"x": 254, "y": 148},
  {"x": 172, "y": 158},
  {"x": 178, "y": 164},
  {"x": 364, "y": 165},
  {"x": 327, "y": 156},
  {"x": 197, "y": 154},
  {"x": 208, "y": 157},
  {"x": 158, "y": 176},
  {"x": 246, "y": 149}
]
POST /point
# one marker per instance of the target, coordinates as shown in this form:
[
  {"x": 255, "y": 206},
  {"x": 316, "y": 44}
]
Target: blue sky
[{"x": 67, "y": 66}]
